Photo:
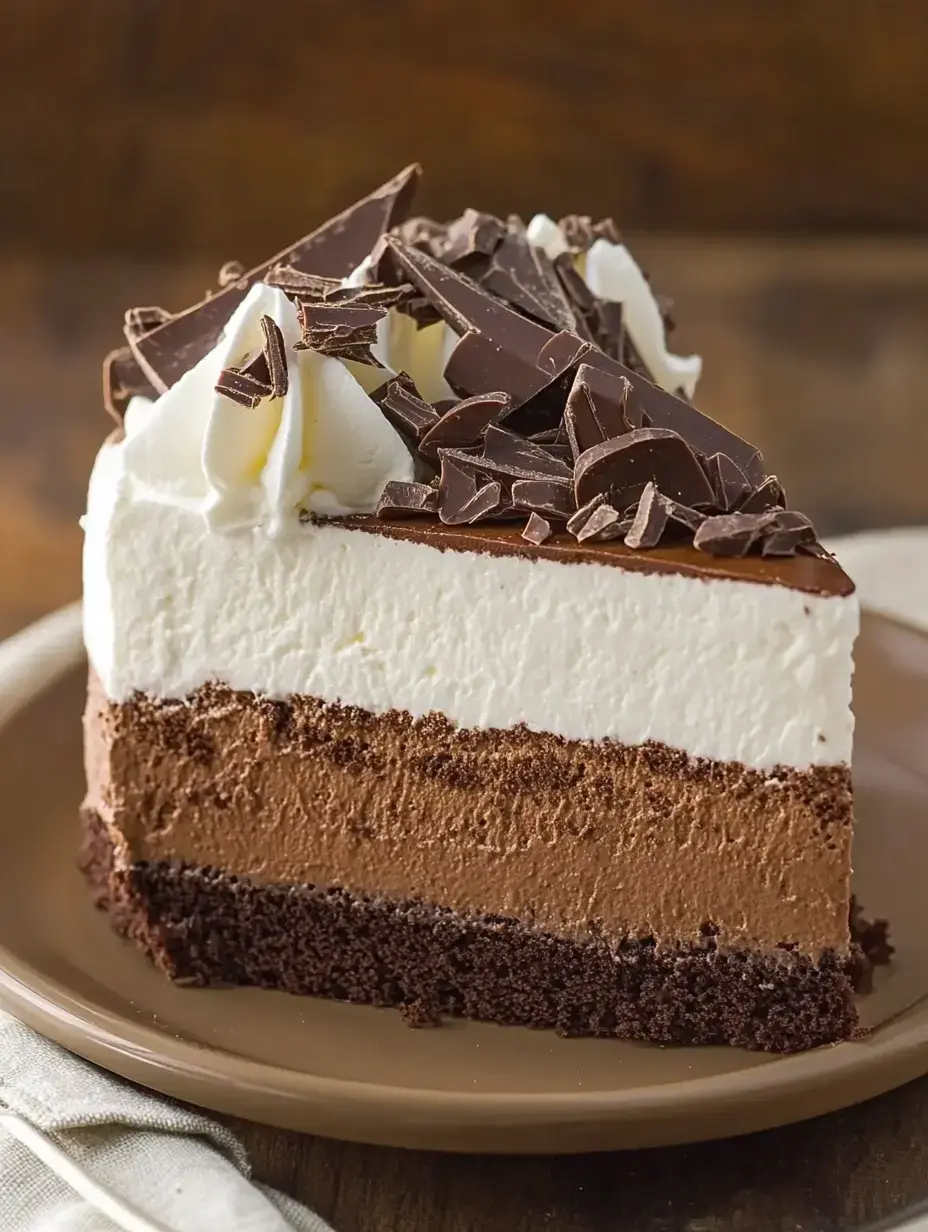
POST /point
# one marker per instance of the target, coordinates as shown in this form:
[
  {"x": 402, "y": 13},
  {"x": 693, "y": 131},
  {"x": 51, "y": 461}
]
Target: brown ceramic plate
[{"x": 359, "y": 1073}]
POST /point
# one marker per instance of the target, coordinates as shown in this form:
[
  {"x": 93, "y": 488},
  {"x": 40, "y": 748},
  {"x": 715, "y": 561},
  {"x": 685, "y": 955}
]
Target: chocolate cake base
[{"x": 202, "y": 926}]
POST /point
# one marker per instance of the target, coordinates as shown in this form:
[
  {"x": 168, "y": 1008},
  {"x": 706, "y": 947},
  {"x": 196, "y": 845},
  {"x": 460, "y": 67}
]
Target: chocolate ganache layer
[{"x": 577, "y": 838}]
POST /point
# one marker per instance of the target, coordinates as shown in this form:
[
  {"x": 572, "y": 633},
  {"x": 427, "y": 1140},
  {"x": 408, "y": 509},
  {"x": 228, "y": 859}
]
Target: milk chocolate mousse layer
[{"x": 574, "y": 838}]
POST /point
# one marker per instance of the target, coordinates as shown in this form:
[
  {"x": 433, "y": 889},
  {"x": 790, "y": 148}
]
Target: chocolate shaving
[
  {"x": 536, "y": 529},
  {"x": 274, "y": 357},
  {"x": 649, "y": 521},
  {"x": 621, "y": 468},
  {"x": 769, "y": 495},
  {"x": 732, "y": 534},
  {"x": 262, "y": 376},
  {"x": 459, "y": 499},
  {"x": 603, "y": 523},
  {"x": 241, "y": 387},
  {"x": 300, "y": 282},
  {"x": 464, "y": 423},
  {"x": 342, "y": 330},
  {"x": 229, "y": 273},
  {"x": 406, "y": 411},
  {"x": 407, "y": 499},
  {"x": 578, "y": 520},
  {"x": 505, "y": 453},
  {"x": 552, "y": 497},
  {"x": 728, "y": 481}
]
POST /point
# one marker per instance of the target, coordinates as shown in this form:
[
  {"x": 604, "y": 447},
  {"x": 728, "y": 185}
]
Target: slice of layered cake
[{"x": 445, "y": 656}]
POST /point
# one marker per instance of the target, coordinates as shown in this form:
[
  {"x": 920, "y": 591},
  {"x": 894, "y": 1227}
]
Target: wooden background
[
  {"x": 170, "y": 127},
  {"x": 771, "y": 158}
]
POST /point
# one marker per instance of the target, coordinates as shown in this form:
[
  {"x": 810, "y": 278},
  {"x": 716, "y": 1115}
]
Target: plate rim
[{"x": 155, "y": 1057}]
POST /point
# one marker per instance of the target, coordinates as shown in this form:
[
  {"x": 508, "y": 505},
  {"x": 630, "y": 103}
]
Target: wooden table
[{"x": 815, "y": 351}]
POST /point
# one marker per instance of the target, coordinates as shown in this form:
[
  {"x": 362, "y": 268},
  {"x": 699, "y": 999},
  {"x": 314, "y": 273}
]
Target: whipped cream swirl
[{"x": 324, "y": 447}]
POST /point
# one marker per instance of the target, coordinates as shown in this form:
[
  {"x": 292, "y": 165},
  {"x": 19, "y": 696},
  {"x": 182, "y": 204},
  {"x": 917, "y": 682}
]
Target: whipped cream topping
[
  {"x": 611, "y": 273},
  {"x": 324, "y": 446},
  {"x": 724, "y": 669}
]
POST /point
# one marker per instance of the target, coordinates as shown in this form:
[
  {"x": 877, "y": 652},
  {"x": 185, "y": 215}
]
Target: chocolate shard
[
  {"x": 553, "y": 497},
  {"x": 478, "y": 361},
  {"x": 242, "y": 387},
  {"x": 581, "y": 232},
  {"x": 486, "y": 502},
  {"x": 683, "y": 515},
  {"x": 407, "y": 412},
  {"x": 603, "y": 523},
  {"x": 263, "y": 375},
  {"x": 729, "y": 482},
  {"x": 275, "y": 357},
  {"x": 562, "y": 353},
  {"x": 620, "y": 468},
  {"x": 474, "y": 234},
  {"x": 578, "y": 520},
  {"x": 732, "y": 534},
  {"x": 650, "y": 520},
  {"x": 543, "y": 408},
  {"x": 346, "y": 331},
  {"x": 524, "y": 277},
  {"x": 229, "y": 273},
  {"x": 299, "y": 282},
  {"x": 464, "y": 423},
  {"x": 456, "y": 486},
  {"x": 466, "y": 307},
  {"x": 400, "y": 499},
  {"x": 769, "y": 495},
  {"x": 331, "y": 251},
  {"x": 507, "y": 454},
  {"x": 123, "y": 379},
  {"x": 460, "y": 502},
  {"x": 649, "y": 405},
  {"x": 536, "y": 529},
  {"x": 787, "y": 533},
  {"x": 595, "y": 412}
]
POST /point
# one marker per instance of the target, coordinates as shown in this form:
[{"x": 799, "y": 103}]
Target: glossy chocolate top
[{"x": 814, "y": 575}]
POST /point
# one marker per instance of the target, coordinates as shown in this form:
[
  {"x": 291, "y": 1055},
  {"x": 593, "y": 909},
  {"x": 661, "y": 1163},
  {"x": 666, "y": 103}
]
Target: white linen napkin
[{"x": 83, "y": 1151}]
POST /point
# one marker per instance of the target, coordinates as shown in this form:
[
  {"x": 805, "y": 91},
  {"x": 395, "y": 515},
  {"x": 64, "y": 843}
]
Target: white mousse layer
[{"x": 735, "y": 671}]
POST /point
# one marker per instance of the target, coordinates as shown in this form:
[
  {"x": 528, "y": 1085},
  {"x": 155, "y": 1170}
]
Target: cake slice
[{"x": 445, "y": 656}]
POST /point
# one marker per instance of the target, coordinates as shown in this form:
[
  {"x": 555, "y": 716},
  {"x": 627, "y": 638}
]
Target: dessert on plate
[{"x": 444, "y": 656}]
